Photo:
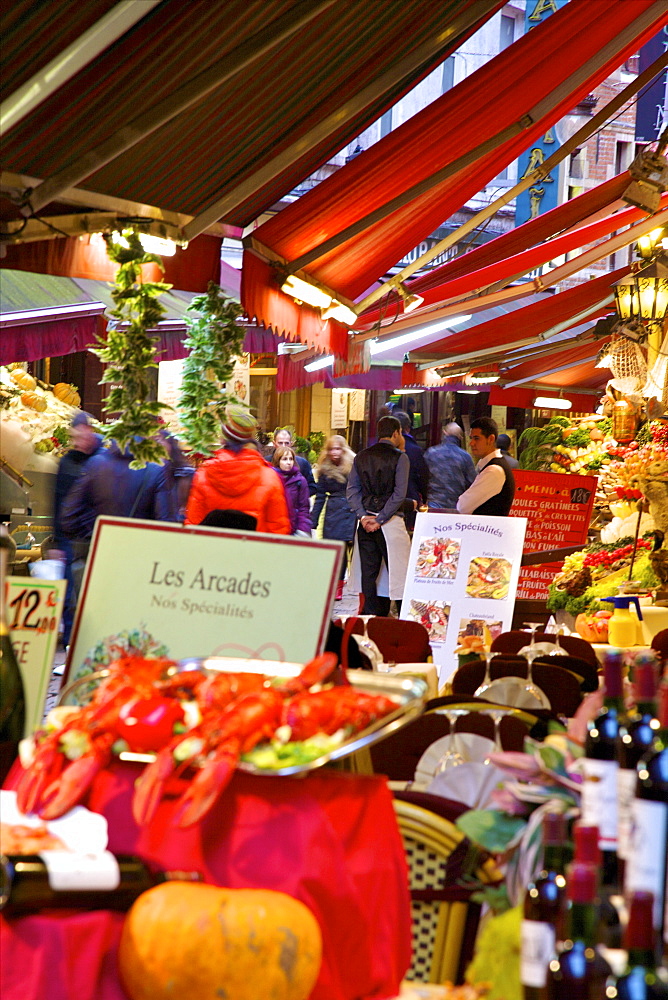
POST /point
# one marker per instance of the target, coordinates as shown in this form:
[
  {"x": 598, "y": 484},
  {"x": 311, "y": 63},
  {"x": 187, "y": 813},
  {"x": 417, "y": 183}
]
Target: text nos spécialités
[{"x": 245, "y": 586}]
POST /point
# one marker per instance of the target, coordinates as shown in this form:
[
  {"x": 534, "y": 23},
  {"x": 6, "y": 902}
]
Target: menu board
[
  {"x": 34, "y": 608},
  {"x": 558, "y": 511},
  {"x": 183, "y": 591},
  {"x": 462, "y": 578}
]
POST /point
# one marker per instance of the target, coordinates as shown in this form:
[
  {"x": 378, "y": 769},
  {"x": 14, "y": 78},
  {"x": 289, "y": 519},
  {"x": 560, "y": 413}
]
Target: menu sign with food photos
[
  {"x": 462, "y": 580},
  {"x": 558, "y": 511}
]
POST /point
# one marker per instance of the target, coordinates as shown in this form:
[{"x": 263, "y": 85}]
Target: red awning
[
  {"x": 86, "y": 257},
  {"x": 541, "y": 72},
  {"x": 233, "y": 103},
  {"x": 589, "y": 300}
]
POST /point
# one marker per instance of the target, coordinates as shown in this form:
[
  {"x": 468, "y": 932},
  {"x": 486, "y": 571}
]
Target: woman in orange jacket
[{"x": 238, "y": 478}]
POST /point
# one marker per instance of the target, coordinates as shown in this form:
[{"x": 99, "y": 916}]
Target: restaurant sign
[
  {"x": 558, "y": 510},
  {"x": 462, "y": 579},
  {"x": 194, "y": 591}
]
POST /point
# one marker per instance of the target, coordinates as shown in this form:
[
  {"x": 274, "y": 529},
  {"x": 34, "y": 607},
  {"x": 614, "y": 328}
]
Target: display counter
[{"x": 329, "y": 839}]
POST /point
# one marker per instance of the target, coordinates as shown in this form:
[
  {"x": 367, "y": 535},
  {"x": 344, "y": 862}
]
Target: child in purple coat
[{"x": 296, "y": 490}]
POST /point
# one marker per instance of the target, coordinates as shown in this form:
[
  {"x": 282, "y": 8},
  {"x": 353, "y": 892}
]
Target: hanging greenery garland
[
  {"x": 214, "y": 340},
  {"x": 128, "y": 351}
]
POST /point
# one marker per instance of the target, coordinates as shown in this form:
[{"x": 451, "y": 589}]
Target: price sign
[
  {"x": 558, "y": 511},
  {"x": 34, "y": 608}
]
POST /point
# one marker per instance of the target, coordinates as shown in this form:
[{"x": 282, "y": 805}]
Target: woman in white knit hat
[{"x": 238, "y": 478}]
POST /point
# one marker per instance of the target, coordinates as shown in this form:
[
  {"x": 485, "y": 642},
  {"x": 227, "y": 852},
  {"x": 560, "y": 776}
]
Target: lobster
[
  {"x": 220, "y": 739},
  {"x": 333, "y": 709}
]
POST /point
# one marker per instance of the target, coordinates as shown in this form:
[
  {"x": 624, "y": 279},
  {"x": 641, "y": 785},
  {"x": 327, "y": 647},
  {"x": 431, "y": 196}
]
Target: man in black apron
[
  {"x": 377, "y": 487},
  {"x": 493, "y": 488}
]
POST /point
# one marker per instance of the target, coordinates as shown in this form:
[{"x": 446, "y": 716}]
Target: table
[{"x": 330, "y": 839}]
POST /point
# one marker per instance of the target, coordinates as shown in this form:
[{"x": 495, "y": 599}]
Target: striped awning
[{"x": 231, "y": 104}]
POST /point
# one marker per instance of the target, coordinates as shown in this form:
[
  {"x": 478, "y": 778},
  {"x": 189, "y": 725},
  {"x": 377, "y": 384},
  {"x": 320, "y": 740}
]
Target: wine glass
[
  {"x": 451, "y": 757},
  {"x": 530, "y": 687},
  {"x": 487, "y": 679},
  {"x": 497, "y": 715},
  {"x": 559, "y": 651}
]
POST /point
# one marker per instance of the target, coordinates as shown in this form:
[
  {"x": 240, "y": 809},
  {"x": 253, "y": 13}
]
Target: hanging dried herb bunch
[
  {"x": 214, "y": 340},
  {"x": 128, "y": 351}
]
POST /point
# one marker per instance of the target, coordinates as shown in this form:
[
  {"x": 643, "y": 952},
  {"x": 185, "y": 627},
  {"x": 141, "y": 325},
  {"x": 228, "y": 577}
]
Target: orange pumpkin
[
  {"x": 34, "y": 401},
  {"x": 67, "y": 393},
  {"x": 23, "y": 379},
  {"x": 184, "y": 939}
]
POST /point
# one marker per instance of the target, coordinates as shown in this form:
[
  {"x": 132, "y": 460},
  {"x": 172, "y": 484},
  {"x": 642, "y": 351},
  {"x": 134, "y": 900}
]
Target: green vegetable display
[{"x": 214, "y": 340}]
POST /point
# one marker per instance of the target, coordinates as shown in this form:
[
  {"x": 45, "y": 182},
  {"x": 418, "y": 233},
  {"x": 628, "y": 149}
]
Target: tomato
[{"x": 147, "y": 724}]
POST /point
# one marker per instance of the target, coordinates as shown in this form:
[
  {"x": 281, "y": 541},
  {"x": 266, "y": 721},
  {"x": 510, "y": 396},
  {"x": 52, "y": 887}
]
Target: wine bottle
[
  {"x": 640, "y": 980},
  {"x": 544, "y": 910},
  {"x": 579, "y": 972},
  {"x": 600, "y": 767},
  {"x": 12, "y": 695},
  {"x": 635, "y": 741},
  {"x": 647, "y": 864},
  {"x": 610, "y": 908},
  {"x": 66, "y": 880}
]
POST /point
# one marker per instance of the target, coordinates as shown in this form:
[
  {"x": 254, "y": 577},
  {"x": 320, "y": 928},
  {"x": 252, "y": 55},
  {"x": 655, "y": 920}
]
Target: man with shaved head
[{"x": 451, "y": 470}]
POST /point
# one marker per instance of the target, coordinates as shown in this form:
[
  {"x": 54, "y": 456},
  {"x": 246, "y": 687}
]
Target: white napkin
[
  {"x": 79, "y": 829},
  {"x": 471, "y": 746},
  {"x": 471, "y": 784}
]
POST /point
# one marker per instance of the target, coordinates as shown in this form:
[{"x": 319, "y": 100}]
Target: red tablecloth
[{"x": 329, "y": 839}]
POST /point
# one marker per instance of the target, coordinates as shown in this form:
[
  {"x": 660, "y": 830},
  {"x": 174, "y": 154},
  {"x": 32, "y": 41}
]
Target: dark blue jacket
[
  {"x": 109, "y": 486},
  {"x": 340, "y": 521}
]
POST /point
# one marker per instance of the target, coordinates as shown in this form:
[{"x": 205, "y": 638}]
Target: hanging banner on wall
[
  {"x": 462, "y": 578},
  {"x": 191, "y": 591},
  {"x": 357, "y": 404},
  {"x": 339, "y": 409},
  {"x": 558, "y": 511}
]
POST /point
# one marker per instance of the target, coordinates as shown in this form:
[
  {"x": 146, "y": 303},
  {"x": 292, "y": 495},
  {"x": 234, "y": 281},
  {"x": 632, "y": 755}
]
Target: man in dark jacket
[
  {"x": 85, "y": 443},
  {"x": 418, "y": 477},
  {"x": 109, "y": 486},
  {"x": 377, "y": 487},
  {"x": 493, "y": 488},
  {"x": 451, "y": 469},
  {"x": 503, "y": 444}
]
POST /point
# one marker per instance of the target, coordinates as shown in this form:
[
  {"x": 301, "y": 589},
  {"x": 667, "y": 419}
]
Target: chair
[
  {"x": 444, "y": 920},
  {"x": 400, "y": 641},
  {"x": 512, "y": 642},
  {"x": 561, "y": 686},
  {"x": 398, "y": 754}
]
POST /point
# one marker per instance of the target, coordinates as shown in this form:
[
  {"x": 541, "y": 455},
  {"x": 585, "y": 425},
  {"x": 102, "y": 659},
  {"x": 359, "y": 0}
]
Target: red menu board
[{"x": 558, "y": 511}]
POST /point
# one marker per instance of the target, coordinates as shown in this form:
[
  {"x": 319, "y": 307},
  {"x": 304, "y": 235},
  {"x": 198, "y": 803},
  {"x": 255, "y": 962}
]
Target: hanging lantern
[
  {"x": 626, "y": 297},
  {"x": 652, "y": 285}
]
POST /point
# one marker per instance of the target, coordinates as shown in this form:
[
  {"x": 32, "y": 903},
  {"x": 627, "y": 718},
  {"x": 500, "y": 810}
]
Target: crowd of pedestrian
[{"x": 368, "y": 500}]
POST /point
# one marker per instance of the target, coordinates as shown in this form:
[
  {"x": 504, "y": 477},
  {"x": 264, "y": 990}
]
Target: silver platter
[{"x": 409, "y": 692}]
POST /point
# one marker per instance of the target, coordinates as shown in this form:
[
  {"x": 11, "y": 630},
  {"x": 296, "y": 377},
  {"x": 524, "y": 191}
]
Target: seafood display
[
  {"x": 15, "y": 838},
  {"x": 437, "y": 558},
  {"x": 192, "y": 718},
  {"x": 488, "y": 578},
  {"x": 434, "y": 615}
]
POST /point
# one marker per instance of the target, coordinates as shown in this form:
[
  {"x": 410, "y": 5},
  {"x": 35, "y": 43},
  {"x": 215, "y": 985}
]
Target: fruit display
[
  {"x": 196, "y": 719},
  {"x": 182, "y": 939},
  {"x": 34, "y": 419}
]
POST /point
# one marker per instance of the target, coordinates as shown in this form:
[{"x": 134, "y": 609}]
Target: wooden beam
[
  {"x": 401, "y": 70},
  {"x": 184, "y": 97},
  {"x": 13, "y": 185},
  {"x": 52, "y": 227}
]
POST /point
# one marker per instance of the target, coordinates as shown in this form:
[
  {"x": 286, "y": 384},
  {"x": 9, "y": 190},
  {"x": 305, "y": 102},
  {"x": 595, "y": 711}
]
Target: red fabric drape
[
  {"x": 518, "y": 78},
  {"x": 189, "y": 270},
  {"x": 570, "y": 356},
  {"x": 44, "y": 340},
  {"x": 523, "y": 398},
  {"x": 291, "y": 375},
  {"x": 264, "y": 302}
]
